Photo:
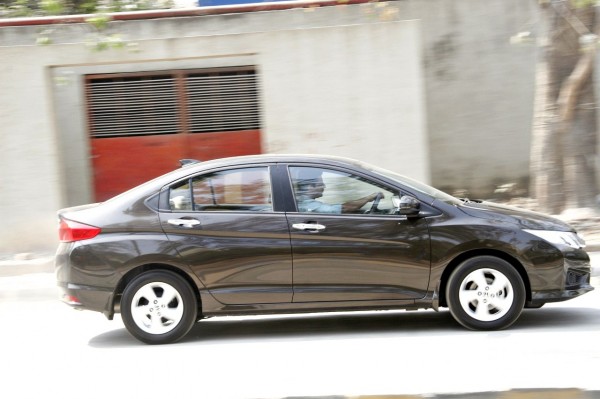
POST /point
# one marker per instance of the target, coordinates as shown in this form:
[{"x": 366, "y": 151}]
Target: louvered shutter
[
  {"x": 223, "y": 102},
  {"x": 132, "y": 106},
  {"x": 211, "y": 100}
]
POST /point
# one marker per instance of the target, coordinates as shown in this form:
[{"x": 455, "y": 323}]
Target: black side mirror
[{"x": 409, "y": 206}]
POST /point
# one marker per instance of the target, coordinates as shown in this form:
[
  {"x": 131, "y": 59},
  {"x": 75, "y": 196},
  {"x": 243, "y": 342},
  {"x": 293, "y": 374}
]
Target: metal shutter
[
  {"x": 223, "y": 101},
  {"x": 194, "y": 101},
  {"x": 132, "y": 106}
]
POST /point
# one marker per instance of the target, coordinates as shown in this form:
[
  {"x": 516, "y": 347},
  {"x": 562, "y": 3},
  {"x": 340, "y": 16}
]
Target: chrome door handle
[
  {"x": 189, "y": 223},
  {"x": 308, "y": 226}
]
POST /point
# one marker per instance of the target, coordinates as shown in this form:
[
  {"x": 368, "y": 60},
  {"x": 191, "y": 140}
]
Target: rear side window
[{"x": 247, "y": 189}]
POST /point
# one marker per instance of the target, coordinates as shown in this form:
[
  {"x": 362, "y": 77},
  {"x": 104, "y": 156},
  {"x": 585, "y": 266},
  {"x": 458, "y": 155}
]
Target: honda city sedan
[{"x": 271, "y": 234}]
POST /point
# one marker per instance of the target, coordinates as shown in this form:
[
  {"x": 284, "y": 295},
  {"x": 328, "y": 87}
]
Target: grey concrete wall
[
  {"x": 30, "y": 180},
  {"x": 355, "y": 92},
  {"x": 479, "y": 90},
  {"x": 334, "y": 80}
]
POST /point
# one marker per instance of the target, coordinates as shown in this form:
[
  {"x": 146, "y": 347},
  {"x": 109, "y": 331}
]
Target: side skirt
[{"x": 211, "y": 307}]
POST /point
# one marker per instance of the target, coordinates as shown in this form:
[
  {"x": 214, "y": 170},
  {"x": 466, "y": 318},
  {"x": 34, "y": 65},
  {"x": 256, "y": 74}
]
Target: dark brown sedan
[{"x": 283, "y": 234}]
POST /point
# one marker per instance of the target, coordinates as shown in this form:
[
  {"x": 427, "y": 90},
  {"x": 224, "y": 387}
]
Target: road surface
[{"x": 48, "y": 350}]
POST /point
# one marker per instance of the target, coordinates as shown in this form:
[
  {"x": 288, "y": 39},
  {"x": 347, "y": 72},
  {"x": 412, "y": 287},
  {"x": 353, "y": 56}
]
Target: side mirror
[{"x": 407, "y": 205}]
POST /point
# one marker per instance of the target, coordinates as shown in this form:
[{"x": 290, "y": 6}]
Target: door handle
[
  {"x": 188, "y": 223},
  {"x": 314, "y": 227}
]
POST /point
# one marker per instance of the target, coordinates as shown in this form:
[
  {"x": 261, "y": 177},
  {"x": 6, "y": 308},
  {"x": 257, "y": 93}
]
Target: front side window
[
  {"x": 247, "y": 189},
  {"x": 330, "y": 191}
]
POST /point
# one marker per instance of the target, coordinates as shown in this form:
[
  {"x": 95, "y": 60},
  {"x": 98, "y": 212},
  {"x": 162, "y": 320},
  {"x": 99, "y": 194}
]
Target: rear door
[
  {"x": 345, "y": 253},
  {"x": 227, "y": 226}
]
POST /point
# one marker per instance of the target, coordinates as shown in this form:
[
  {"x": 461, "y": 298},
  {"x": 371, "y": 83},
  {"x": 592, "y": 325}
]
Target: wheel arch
[
  {"x": 135, "y": 272},
  {"x": 481, "y": 252}
]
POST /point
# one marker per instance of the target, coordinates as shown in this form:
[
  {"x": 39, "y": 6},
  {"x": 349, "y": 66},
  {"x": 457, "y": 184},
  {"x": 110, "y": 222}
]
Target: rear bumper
[
  {"x": 71, "y": 281},
  {"x": 87, "y": 297}
]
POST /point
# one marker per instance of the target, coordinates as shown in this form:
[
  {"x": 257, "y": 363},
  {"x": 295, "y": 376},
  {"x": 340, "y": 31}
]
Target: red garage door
[{"x": 142, "y": 124}]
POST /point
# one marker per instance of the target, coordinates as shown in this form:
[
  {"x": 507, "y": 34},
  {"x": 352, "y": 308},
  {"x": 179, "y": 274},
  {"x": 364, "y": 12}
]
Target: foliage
[
  {"x": 38, "y": 8},
  {"x": 100, "y": 38},
  {"x": 583, "y": 3},
  {"x": 99, "y": 21},
  {"x": 52, "y": 7}
]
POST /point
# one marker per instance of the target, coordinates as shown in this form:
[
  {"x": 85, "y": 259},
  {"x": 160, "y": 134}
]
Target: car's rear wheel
[
  {"x": 485, "y": 293},
  {"x": 158, "y": 307}
]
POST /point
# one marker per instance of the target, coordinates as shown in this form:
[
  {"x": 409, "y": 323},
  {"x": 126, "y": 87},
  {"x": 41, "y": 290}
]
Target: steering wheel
[{"x": 375, "y": 203}]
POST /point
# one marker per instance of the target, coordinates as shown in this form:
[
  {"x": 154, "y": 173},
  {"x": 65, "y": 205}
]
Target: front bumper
[
  {"x": 540, "y": 298},
  {"x": 574, "y": 279}
]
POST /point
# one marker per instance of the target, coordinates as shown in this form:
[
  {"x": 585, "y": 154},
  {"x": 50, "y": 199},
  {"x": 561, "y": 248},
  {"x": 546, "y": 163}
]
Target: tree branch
[{"x": 569, "y": 90}]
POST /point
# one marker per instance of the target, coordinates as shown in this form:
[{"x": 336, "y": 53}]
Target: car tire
[
  {"x": 158, "y": 307},
  {"x": 485, "y": 293}
]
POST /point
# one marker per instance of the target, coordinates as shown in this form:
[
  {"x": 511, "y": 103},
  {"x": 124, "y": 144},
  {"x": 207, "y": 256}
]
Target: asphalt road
[{"x": 48, "y": 350}]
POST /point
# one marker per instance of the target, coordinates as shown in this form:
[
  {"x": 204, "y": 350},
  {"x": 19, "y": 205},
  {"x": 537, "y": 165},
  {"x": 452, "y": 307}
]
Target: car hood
[{"x": 509, "y": 214}]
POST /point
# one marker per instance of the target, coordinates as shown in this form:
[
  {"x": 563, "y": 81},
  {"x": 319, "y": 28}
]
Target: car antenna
[{"x": 186, "y": 162}]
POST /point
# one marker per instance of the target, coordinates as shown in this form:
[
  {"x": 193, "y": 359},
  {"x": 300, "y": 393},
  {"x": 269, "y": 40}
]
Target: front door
[{"x": 349, "y": 245}]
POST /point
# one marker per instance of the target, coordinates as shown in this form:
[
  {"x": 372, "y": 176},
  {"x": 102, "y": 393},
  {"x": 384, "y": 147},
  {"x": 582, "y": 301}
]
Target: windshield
[{"x": 414, "y": 184}]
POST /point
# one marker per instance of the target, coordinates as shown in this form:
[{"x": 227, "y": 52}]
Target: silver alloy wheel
[
  {"x": 486, "y": 294},
  {"x": 157, "y": 308}
]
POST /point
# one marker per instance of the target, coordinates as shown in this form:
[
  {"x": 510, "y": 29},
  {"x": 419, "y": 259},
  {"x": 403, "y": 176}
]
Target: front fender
[{"x": 542, "y": 263}]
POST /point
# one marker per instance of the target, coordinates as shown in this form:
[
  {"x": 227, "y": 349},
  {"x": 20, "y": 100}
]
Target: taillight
[{"x": 69, "y": 230}]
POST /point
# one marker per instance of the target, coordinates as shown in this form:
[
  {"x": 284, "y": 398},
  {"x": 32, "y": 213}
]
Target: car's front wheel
[
  {"x": 158, "y": 307},
  {"x": 485, "y": 293}
]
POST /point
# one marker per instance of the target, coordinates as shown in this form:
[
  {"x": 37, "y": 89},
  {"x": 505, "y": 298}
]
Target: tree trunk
[
  {"x": 564, "y": 130},
  {"x": 546, "y": 156}
]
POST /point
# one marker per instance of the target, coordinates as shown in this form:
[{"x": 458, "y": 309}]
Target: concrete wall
[
  {"x": 30, "y": 180},
  {"x": 479, "y": 89},
  {"x": 334, "y": 80}
]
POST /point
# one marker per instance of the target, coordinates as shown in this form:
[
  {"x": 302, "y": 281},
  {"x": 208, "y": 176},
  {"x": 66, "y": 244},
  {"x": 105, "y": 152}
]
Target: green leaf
[
  {"x": 52, "y": 7},
  {"x": 99, "y": 21}
]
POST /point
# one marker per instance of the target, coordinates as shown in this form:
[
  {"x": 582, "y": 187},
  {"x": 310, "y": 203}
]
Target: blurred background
[{"x": 487, "y": 99}]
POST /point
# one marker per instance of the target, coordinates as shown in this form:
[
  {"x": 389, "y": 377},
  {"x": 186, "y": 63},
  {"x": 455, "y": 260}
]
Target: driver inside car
[{"x": 311, "y": 186}]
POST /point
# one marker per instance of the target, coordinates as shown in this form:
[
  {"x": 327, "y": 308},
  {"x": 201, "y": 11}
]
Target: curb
[
  {"x": 545, "y": 393},
  {"x": 28, "y": 265}
]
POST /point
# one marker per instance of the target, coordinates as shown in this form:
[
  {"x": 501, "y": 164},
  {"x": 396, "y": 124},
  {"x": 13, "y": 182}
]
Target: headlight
[{"x": 559, "y": 237}]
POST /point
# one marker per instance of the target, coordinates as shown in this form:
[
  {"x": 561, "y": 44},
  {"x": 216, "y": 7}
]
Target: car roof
[
  {"x": 265, "y": 158},
  {"x": 197, "y": 167},
  {"x": 277, "y": 158}
]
